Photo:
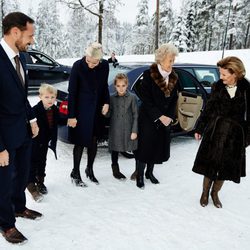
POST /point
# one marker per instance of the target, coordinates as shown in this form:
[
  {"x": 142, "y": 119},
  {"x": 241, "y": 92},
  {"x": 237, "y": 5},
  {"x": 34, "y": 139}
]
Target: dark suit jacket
[{"x": 15, "y": 110}]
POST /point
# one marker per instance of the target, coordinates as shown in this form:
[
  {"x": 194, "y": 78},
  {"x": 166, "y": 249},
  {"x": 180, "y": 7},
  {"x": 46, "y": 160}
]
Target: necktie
[{"x": 17, "y": 61}]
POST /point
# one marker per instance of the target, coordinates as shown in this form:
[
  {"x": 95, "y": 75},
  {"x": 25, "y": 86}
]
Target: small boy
[{"x": 47, "y": 115}]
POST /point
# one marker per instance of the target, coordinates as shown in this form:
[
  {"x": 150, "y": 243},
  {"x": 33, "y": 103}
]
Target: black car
[
  {"x": 195, "y": 84},
  {"x": 42, "y": 68}
]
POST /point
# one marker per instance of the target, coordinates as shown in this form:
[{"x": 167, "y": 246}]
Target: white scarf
[{"x": 165, "y": 74}]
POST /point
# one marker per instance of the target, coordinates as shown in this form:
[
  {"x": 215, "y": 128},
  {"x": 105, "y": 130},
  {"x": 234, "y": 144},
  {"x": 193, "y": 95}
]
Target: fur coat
[{"x": 225, "y": 126}]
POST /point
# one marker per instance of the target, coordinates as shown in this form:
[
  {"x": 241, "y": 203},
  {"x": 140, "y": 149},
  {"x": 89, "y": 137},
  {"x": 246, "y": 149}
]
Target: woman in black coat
[
  {"x": 87, "y": 102},
  {"x": 158, "y": 93},
  {"x": 225, "y": 126}
]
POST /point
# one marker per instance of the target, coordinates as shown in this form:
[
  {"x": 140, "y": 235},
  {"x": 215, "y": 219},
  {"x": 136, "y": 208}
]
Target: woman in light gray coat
[{"x": 123, "y": 115}]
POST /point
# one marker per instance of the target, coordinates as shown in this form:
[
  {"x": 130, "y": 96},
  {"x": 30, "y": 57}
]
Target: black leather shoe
[
  {"x": 77, "y": 180},
  {"x": 12, "y": 235},
  {"x": 90, "y": 174},
  {"x": 151, "y": 177},
  {"x": 29, "y": 214}
]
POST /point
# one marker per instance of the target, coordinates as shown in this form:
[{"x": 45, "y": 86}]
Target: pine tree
[
  {"x": 165, "y": 21},
  {"x": 142, "y": 30},
  {"x": 49, "y": 35}
]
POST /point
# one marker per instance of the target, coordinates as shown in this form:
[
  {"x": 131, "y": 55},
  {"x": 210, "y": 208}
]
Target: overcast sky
[
  {"x": 129, "y": 10},
  {"x": 125, "y": 13}
]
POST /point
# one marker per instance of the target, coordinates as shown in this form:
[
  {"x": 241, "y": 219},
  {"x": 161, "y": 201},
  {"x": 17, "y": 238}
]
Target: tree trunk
[
  {"x": 100, "y": 23},
  {"x": 157, "y": 24}
]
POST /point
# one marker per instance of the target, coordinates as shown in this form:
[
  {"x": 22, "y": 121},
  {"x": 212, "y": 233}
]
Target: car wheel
[{"x": 128, "y": 154}]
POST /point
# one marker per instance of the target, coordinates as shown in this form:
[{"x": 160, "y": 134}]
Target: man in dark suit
[{"x": 17, "y": 125}]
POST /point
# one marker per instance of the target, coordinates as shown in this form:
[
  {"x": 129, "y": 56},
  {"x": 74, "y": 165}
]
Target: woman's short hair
[
  {"x": 95, "y": 50},
  {"x": 164, "y": 50},
  {"x": 234, "y": 65},
  {"x": 45, "y": 87},
  {"x": 121, "y": 76}
]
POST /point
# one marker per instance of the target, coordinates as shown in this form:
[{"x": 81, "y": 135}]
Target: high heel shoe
[
  {"x": 90, "y": 174},
  {"x": 77, "y": 180}
]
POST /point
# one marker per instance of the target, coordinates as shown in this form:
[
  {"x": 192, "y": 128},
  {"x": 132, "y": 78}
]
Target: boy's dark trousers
[{"x": 38, "y": 161}]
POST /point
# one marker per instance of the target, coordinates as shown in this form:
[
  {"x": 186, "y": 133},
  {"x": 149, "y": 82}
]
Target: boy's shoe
[
  {"x": 42, "y": 188},
  {"x": 29, "y": 214},
  {"x": 13, "y": 236},
  {"x": 32, "y": 188}
]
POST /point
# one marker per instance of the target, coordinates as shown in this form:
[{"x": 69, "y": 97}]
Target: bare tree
[{"x": 94, "y": 7}]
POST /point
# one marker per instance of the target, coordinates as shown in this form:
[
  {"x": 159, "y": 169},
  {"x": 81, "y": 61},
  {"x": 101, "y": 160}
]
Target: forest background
[{"x": 200, "y": 25}]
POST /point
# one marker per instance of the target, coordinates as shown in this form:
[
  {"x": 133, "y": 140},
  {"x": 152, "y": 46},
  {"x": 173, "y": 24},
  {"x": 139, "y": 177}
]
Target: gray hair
[
  {"x": 47, "y": 88},
  {"x": 95, "y": 50},
  {"x": 164, "y": 50}
]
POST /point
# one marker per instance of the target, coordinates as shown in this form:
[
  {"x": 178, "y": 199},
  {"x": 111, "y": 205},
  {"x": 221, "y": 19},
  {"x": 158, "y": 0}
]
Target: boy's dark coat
[{"x": 46, "y": 135}]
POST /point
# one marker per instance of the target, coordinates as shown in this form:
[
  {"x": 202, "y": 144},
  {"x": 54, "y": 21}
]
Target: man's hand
[
  {"x": 34, "y": 129},
  {"x": 4, "y": 158},
  {"x": 72, "y": 122}
]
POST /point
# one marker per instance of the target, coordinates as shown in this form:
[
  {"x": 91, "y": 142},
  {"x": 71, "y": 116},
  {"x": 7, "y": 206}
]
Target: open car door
[{"x": 188, "y": 109}]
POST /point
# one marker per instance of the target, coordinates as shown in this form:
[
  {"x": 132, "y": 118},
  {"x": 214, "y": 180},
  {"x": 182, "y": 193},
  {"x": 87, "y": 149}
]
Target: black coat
[
  {"x": 88, "y": 92},
  {"x": 225, "y": 125},
  {"x": 46, "y": 135},
  {"x": 154, "y": 140}
]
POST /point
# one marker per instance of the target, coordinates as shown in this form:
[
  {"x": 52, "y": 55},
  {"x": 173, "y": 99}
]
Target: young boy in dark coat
[{"x": 47, "y": 118}]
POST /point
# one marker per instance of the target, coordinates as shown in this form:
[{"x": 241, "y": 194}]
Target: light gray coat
[{"x": 123, "y": 113}]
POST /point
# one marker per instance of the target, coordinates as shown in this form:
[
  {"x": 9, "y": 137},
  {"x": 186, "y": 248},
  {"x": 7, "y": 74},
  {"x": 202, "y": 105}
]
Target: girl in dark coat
[
  {"x": 88, "y": 100},
  {"x": 225, "y": 126},
  {"x": 158, "y": 93}
]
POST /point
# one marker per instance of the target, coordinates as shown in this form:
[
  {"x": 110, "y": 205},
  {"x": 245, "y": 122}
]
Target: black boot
[
  {"x": 149, "y": 174},
  {"x": 140, "y": 174},
  {"x": 90, "y": 174},
  {"x": 205, "y": 191},
  {"x": 116, "y": 172},
  {"x": 75, "y": 174},
  {"x": 76, "y": 179},
  {"x": 214, "y": 193}
]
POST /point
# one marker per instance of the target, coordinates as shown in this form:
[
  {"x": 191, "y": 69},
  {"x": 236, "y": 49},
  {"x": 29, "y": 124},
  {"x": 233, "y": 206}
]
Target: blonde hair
[
  {"x": 164, "y": 50},
  {"x": 121, "y": 76},
  {"x": 45, "y": 87},
  {"x": 95, "y": 50},
  {"x": 234, "y": 65}
]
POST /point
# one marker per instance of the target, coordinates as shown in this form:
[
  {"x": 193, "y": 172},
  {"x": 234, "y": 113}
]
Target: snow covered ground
[{"x": 116, "y": 215}]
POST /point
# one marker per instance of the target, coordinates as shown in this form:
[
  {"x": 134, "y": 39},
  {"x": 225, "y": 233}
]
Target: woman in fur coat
[
  {"x": 225, "y": 127},
  {"x": 158, "y": 93}
]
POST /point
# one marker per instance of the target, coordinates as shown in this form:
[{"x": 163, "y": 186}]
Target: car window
[
  {"x": 187, "y": 82},
  {"x": 41, "y": 59},
  {"x": 205, "y": 75},
  {"x": 113, "y": 71}
]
